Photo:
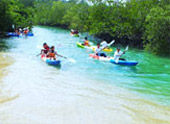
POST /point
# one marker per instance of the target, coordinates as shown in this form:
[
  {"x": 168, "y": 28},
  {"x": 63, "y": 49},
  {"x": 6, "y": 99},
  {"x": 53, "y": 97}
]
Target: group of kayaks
[
  {"x": 108, "y": 59},
  {"x": 57, "y": 62}
]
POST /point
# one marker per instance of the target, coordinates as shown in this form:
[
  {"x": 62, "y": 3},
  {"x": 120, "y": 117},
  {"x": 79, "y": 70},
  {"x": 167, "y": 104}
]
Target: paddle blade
[
  {"x": 38, "y": 55},
  {"x": 127, "y": 47},
  {"x": 111, "y": 42},
  {"x": 71, "y": 60},
  {"x": 40, "y": 47}
]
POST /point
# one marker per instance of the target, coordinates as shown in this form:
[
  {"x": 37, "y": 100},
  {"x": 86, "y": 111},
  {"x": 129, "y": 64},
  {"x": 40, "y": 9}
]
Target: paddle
[
  {"x": 69, "y": 59},
  {"x": 38, "y": 54},
  {"x": 40, "y": 47},
  {"x": 72, "y": 30},
  {"x": 127, "y": 47},
  {"x": 117, "y": 60}
]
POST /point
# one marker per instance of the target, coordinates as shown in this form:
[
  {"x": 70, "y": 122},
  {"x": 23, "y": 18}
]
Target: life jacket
[
  {"x": 51, "y": 54},
  {"x": 46, "y": 50},
  {"x": 25, "y": 31},
  {"x": 86, "y": 43}
]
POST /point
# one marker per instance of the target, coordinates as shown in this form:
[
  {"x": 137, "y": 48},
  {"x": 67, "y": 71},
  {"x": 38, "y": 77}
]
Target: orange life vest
[
  {"x": 86, "y": 43},
  {"x": 51, "y": 54}
]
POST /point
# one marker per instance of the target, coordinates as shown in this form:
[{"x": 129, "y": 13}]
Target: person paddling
[
  {"x": 51, "y": 54},
  {"x": 46, "y": 49},
  {"x": 74, "y": 31},
  {"x": 98, "y": 51},
  {"x": 118, "y": 53},
  {"x": 86, "y": 42},
  {"x": 26, "y": 30},
  {"x": 104, "y": 44}
]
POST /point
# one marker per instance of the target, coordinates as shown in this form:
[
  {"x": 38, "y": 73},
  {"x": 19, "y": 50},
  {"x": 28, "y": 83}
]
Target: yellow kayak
[
  {"x": 94, "y": 47},
  {"x": 106, "y": 49}
]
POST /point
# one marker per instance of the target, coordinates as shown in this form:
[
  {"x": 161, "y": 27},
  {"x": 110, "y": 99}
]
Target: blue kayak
[
  {"x": 13, "y": 34},
  {"x": 53, "y": 62},
  {"x": 50, "y": 62},
  {"x": 121, "y": 62},
  {"x": 29, "y": 34}
]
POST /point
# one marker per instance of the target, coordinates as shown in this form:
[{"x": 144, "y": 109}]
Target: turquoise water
[{"x": 30, "y": 85}]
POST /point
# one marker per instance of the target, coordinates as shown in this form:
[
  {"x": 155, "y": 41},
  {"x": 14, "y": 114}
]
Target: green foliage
[
  {"x": 27, "y": 3},
  {"x": 58, "y": 11},
  {"x": 77, "y": 17},
  {"x": 157, "y": 33},
  {"x": 42, "y": 13},
  {"x": 12, "y": 12},
  {"x": 6, "y": 14}
]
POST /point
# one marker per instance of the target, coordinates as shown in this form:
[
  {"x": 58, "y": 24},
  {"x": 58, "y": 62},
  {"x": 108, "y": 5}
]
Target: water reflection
[{"x": 6, "y": 44}]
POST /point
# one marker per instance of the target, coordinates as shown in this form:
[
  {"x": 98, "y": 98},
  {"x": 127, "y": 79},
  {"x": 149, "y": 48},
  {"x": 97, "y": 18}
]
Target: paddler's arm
[{"x": 60, "y": 55}]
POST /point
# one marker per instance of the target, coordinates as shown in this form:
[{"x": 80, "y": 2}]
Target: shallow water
[{"x": 88, "y": 91}]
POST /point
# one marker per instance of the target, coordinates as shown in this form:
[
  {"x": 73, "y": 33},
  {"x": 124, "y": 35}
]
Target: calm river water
[{"x": 85, "y": 92}]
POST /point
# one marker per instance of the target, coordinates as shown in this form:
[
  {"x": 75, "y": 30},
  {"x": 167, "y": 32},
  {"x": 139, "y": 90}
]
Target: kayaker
[
  {"x": 118, "y": 53},
  {"x": 74, "y": 31},
  {"x": 52, "y": 53},
  {"x": 20, "y": 31},
  {"x": 98, "y": 51},
  {"x": 104, "y": 44},
  {"x": 26, "y": 30},
  {"x": 86, "y": 42},
  {"x": 46, "y": 49}
]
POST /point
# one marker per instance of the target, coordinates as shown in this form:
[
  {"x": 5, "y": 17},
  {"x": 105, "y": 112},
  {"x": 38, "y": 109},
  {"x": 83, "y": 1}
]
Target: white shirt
[
  {"x": 117, "y": 55},
  {"x": 104, "y": 44},
  {"x": 98, "y": 50}
]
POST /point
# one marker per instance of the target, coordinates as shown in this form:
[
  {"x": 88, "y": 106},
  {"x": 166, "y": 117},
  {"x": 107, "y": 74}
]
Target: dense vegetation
[
  {"x": 141, "y": 23},
  {"x": 14, "y": 12}
]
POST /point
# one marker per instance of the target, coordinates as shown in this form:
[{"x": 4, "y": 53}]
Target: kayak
[
  {"x": 13, "y": 34},
  {"x": 82, "y": 46},
  {"x": 49, "y": 61},
  {"x": 100, "y": 57},
  {"x": 93, "y": 47},
  {"x": 74, "y": 35},
  {"x": 29, "y": 34},
  {"x": 121, "y": 62},
  {"x": 111, "y": 59},
  {"x": 106, "y": 49}
]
